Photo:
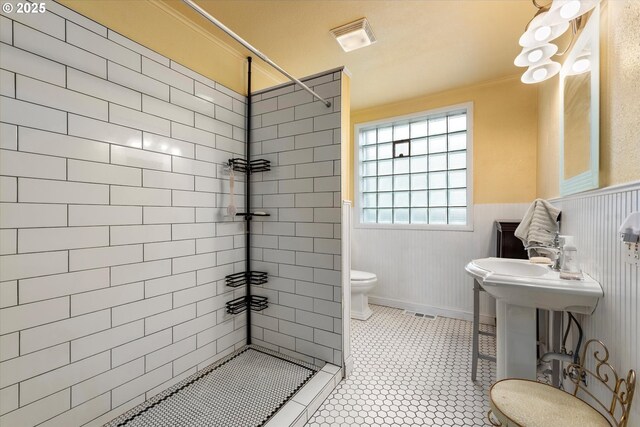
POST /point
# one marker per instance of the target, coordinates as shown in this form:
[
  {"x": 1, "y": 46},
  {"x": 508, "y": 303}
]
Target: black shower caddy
[{"x": 248, "y": 277}]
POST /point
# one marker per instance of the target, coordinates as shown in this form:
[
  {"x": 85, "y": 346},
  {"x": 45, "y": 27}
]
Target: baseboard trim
[
  {"x": 427, "y": 309},
  {"x": 348, "y": 367}
]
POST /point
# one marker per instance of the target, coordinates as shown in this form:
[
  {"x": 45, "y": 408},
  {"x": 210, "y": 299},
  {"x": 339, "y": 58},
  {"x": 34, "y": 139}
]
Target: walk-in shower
[
  {"x": 244, "y": 389},
  {"x": 128, "y": 286},
  {"x": 249, "y": 386}
]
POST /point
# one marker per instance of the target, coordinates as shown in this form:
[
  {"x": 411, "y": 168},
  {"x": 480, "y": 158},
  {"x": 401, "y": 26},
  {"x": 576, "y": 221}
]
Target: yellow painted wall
[
  {"x": 548, "y": 168},
  {"x": 504, "y": 135},
  {"x": 216, "y": 55},
  {"x": 619, "y": 105}
]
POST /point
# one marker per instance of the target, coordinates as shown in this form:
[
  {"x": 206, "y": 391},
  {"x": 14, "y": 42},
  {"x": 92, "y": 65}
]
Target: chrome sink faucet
[{"x": 554, "y": 253}]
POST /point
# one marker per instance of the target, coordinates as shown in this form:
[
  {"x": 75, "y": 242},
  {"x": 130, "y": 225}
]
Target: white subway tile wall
[
  {"x": 114, "y": 240},
  {"x": 298, "y": 242}
]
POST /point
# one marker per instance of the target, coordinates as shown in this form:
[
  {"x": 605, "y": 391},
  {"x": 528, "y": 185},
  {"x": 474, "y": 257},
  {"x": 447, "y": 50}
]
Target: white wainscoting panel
[
  {"x": 424, "y": 269},
  {"x": 594, "y": 218}
]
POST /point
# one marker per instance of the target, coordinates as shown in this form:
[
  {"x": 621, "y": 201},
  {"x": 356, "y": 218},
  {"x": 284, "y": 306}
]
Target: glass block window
[{"x": 415, "y": 171}]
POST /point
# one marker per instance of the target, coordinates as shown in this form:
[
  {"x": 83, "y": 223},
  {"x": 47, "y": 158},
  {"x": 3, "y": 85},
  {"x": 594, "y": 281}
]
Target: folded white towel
[{"x": 539, "y": 225}]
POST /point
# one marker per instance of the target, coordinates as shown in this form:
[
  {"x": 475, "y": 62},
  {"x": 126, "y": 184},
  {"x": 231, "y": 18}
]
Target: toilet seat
[{"x": 357, "y": 276}]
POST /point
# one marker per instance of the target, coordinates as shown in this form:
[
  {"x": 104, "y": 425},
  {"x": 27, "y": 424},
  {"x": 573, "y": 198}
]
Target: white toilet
[{"x": 362, "y": 283}]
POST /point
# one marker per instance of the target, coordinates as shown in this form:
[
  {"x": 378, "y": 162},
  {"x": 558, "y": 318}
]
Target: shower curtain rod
[{"x": 259, "y": 54}]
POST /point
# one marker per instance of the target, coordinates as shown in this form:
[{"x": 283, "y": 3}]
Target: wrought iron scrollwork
[{"x": 621, "y": 389}]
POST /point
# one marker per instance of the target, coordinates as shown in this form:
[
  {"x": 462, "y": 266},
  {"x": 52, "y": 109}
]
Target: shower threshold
[{"x": 251, "y": 387}]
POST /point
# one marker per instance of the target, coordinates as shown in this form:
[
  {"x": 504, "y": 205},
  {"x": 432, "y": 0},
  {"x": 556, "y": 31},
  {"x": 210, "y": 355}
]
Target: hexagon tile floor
[{"x": 410, "y": 371}]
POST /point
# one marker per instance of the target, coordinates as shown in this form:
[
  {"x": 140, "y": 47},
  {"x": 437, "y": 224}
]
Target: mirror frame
[{"x": 589, "y": 179}]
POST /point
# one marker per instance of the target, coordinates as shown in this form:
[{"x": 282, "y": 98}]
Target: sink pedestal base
[
  {"x": 520, "y": 287},
  {"x": 516, "y": 341}
]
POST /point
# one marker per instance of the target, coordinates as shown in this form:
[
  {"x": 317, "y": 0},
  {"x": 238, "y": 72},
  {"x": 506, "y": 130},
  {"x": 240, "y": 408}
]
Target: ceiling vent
[{"x": 354, "y": 35}]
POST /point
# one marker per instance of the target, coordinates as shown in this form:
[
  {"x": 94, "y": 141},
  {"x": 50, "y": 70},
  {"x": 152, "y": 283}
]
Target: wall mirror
[{"x": 580, "y": 111}]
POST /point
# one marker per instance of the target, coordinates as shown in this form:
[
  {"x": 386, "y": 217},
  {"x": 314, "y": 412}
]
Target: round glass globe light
[
  {"x": 534, "y": 56},
  {"x": 570, "y": 9},
  {"x": 542, "y": 33},
  {"x": 540, "y": 74},
  {"x": 581, "y": 65}
]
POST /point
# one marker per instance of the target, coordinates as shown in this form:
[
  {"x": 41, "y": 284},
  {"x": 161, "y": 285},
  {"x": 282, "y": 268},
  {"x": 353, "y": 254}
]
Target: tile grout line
[{"x": 171, "y": 124}]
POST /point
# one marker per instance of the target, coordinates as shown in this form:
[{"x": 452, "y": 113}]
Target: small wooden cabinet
[{"x": 507, "y": 244}]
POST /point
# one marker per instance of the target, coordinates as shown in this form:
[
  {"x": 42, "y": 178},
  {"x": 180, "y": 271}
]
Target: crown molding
[{"x": 239, "y": 55}]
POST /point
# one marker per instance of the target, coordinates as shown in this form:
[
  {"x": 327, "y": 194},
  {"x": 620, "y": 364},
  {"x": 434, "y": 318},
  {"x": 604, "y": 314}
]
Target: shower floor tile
[
  {"x": 410, "y": 371},
  {"x": 245, "y": 389}
]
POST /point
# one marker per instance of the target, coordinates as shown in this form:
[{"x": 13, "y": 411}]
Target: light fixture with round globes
[
  {"x": 540, "y": 31},
  {"x": 582, "y": 64},
  {"x": 534, "y": 55},
  {"x": 540, "y": 72},
  {"x": 549, "y": 23},
  {"x": 570, "y": 10},
  {"x": 566, "y": 10}
]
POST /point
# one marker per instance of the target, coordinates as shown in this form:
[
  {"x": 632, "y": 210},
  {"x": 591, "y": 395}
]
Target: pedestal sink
[{"x": 520, "y": 287}]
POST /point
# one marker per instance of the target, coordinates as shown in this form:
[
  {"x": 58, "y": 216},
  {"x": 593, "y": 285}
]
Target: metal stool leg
[
  {"x": 475, "y": 349},
  {"x": 476, "y": 329}
]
